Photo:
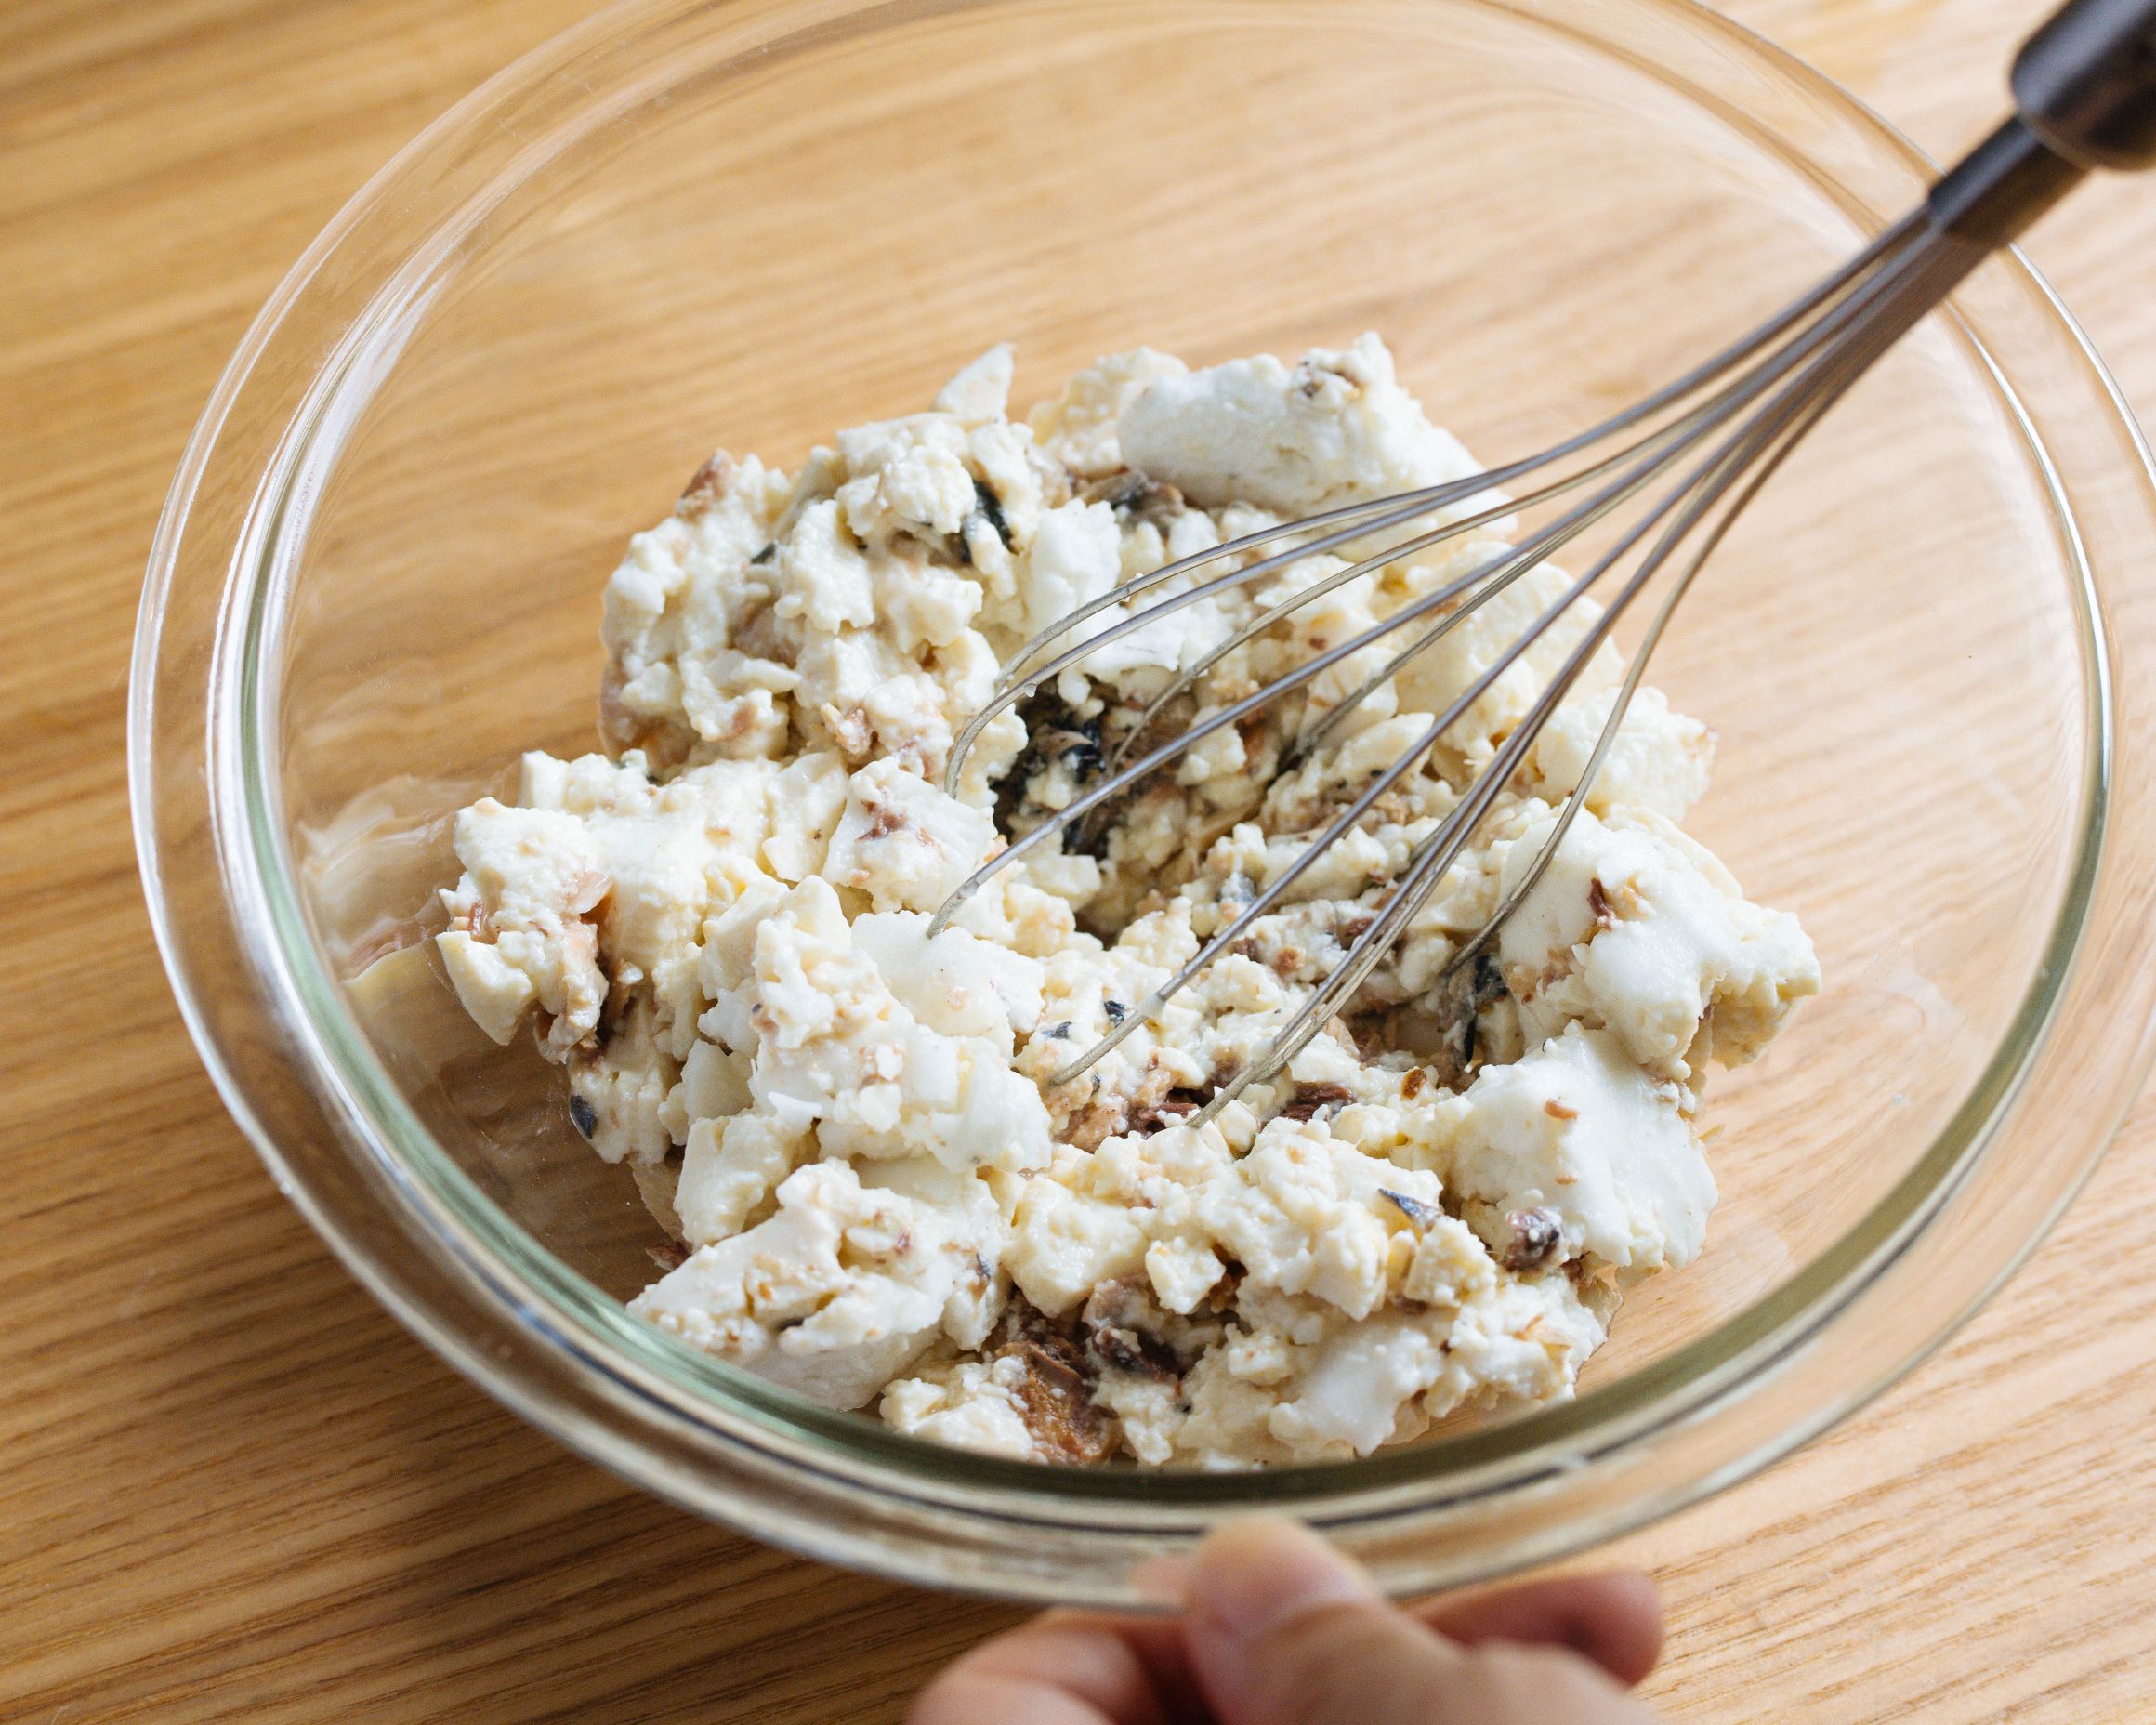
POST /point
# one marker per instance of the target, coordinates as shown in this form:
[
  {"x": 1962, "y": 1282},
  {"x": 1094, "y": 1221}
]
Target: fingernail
[{"x": 1249, "y": 1577}]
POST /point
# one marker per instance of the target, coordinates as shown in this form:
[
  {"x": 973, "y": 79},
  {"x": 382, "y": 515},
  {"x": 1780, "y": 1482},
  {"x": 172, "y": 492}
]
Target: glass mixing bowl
[{"x": 1928, "y": 649}]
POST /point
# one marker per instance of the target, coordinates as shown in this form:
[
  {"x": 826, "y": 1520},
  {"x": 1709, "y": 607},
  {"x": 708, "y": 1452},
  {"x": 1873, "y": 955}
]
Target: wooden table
[{"x": 231, "y": 1487}]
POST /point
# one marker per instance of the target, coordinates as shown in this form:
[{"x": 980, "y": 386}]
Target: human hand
[{"x": 1279, "y": 1629}]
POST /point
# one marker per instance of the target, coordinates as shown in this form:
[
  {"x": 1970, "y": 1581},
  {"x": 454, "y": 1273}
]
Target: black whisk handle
[
  {"x": 2085, "y": 83},
  {"x": 2084, "y": 96}
]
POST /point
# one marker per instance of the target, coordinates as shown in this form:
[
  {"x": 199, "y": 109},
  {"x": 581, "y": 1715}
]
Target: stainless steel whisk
[{"x": 2084, "y": 90}]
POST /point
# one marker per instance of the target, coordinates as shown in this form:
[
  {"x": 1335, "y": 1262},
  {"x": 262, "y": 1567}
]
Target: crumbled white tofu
[
  {"x": 843, "y": 1285},
  {"x": 980, "y": 392},
  {"x": 720, "y": 928},
  {"x": 1632, "y": 928},
  {"x": 1079, "y": 429},
  {"x": 833, "y": 1045},
  {"x": 1574, "y": 1132},
  {"x": 902, "y": 842},
  {"x": 1336, "y": 429},
  {"x": 972, "y": 1405},
  {"x": 1659, "y": 759}
]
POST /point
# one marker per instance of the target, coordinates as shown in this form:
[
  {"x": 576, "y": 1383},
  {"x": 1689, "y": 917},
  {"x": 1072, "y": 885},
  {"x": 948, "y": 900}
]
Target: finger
[
  {"x": 1283, "y": 1631},
  {"x": 1064, "y": 1669},
  {"x": 1614, "y": 1619},
  {"x": 1161, "y": 1646}
]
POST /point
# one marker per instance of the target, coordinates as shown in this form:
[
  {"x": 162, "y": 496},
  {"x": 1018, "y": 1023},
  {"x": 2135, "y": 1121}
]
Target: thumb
[{"x": 1282, "y": 1630}]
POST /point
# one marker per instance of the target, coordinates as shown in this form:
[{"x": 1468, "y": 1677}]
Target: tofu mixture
[{"x": 719, "y": 928}]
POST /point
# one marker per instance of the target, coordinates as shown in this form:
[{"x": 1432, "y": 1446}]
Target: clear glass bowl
[{"x": 1928, "y": 651}]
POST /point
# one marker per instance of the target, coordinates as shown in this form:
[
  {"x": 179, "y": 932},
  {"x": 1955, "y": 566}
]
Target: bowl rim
[{"x": 758, "y": 1425}]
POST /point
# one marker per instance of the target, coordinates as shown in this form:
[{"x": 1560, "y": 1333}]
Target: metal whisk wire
[
  {"x": 2087, "y": 98},
  {"x": 1859, "y": 310},
  {"x": 1759, "y": 450},
  {"x": 1662, "y": 449},
  {"x": 1355, "y": 521}
]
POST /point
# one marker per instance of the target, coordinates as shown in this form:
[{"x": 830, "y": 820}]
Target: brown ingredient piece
[
  {"x": 614, "y": 1007},
  {"x": 851, "y": 731},
  {"x": 1135, "y": 497},
  {"x": 1093, "y": 1125},
  {"x": 1598, "y": 902},
  {"x": 885, "y": 821},
  {"x": 758, "y": 633},
  {"x": 1367, "y": 1033},
  {"x": 708, "y": 487},
  {"x": 1467, "y": 991},
  {"x": 474, "y": 922},
  {"x": 1176, "y": 1105},
  {"x": 1221, "y": 1298},
  {"x": 1055, "y": 1394},
  {"x": 579, "y": 955},
  {"x": 1309, "y": 1098},
  {"x": 1123, "y": 1332},
  {"x": 1557, "y": 1111},
  {"x": 1396, "y": 807},
  {"x": 1159, "y": 1100},
  {"x": 1536, "y": 1236},
  {"x": 665, "y": 745}
]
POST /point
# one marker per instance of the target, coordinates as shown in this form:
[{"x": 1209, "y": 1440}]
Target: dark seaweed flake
[
  {"x": 1422, "y": 1215},
  {"x": 988, "y": 505}
]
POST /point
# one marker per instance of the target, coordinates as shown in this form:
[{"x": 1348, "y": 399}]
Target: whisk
[{"x": 2084, "y": 92}]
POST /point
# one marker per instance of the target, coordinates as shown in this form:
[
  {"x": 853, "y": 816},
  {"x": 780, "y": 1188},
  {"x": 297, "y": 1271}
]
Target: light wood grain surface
[{"x": 231, "y": 1487}]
